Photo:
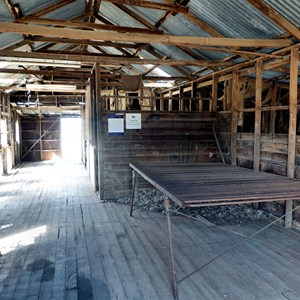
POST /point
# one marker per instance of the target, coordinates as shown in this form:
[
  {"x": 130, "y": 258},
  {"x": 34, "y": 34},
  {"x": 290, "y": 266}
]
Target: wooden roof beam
[
  {"x": 17, "y": 14},
  {"x": 63, "y": 23},
  {"x": 90, "y": 59},
  {"x": 188, "y": 41},
  {"x": 74, "y": 73},
  {"x": 112, "y": 27},
  {"x": 80, "y": 42},
  {"x": 245, "y": 68},
  {"x": 175, "y": 8},
  {"x": 276, "y": 17}
]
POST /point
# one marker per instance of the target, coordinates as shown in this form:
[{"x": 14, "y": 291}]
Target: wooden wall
[
  {"x": 164, "y": 137},
  {"x": 273, "y": 159},
  {"x": 46, "y": 148}
]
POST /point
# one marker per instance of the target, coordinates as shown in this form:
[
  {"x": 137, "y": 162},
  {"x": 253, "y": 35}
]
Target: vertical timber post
[
  {"x": 214, "y": 93},
  {"x": 170, "y": 106},
  {"x": 273, "y": 112},
  {"x": 161, "y": 102},
  {"x": 257, "y": 124},
  {"x": 181, "y": 101},
  {"x": 234, "y": 114},
  {"x": 293, "y": 92},
  {"x": 99, "y": 133}
]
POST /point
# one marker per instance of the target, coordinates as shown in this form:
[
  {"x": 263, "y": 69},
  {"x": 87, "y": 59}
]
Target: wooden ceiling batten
[
  {"x": 74, "y": 73},
  {"x": 80, "y": 42},
  {"x": 55, "y": 22},
  {"x": 90, "y": 59},
  {"x": 188, "y": 41}
]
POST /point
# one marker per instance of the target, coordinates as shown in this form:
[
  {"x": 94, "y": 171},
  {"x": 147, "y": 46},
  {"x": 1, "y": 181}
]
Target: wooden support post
[
  {"x": 234, "y": 115},
  {"x": 161, "y": 103},
  {"x": 174, "y": 279},
  {"x": 170, "y": 108},
  {"x": 257, "y": 125},
  {"x": 181, "y": 102},
  {"x": 273, "y": 112},
  {"x": 292, "y": 128},
  {"x": 193, "y": 103},
  {"x": 214, "y": 93},
  {"x": 99, "y": 131}
]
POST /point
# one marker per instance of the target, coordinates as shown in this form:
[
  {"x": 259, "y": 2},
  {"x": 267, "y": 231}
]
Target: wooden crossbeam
[
  {"x": 80, "y": 42},
  {"x": 74, "y": 73},
  {"x": 42, "y": 89},
  {"x": 141, "y": 38},
  {"x": 55, "y": 22},
  {"x": 90, "y": 59}
]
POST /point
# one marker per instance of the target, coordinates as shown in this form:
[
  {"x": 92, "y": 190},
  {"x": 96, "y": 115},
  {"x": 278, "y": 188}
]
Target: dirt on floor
[{"x": 152, "y": 199}]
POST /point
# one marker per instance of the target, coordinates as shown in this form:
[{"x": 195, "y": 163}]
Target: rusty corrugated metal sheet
[{"x": 290, "y": 9}]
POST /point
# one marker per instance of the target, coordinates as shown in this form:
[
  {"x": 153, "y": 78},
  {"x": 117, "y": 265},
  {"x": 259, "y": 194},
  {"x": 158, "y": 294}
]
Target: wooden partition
[
  {"x": 164, "y": 137},
  {"x": 40, "y": 138}
]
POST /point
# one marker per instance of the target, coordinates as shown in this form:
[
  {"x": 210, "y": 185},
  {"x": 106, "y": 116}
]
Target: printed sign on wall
[
  {"x": 115, "y": 124},
  {"x": 133, "y": 121}
]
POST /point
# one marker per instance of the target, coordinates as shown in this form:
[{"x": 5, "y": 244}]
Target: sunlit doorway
[{"x": 71, "y": 138}]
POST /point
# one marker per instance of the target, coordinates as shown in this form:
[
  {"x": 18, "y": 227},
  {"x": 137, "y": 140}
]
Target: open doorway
[{"x": 71, "y": 138}]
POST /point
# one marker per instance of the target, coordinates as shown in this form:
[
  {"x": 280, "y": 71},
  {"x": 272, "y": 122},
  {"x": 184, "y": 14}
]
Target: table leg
[
  {"x": 174, "y": 280},
  {"x": 135, "y": 189}
]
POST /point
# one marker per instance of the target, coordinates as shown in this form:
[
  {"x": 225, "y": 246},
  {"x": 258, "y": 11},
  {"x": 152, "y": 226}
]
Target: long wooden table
[{"x": 208, "y": 184}]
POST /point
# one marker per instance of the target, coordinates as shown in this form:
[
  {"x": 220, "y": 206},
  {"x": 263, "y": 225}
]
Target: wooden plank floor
[{"x": 59, "y": 242}]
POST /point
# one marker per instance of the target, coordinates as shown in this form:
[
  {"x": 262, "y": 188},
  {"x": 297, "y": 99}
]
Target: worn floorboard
[{"x": 58, "y": 241}]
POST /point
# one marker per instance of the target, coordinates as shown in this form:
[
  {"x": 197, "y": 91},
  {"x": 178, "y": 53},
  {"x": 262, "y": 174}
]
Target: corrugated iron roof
[
  {"x": 9, "y": 39},
  {"x": 117, "y": 16},
  {"x": 69, "y": 11},
  {"x": 290, "y": 9},
  {"x": 29, "y": 7},
  {"x": 235, "y": 18},
  {"x": 5, "y": 15}
]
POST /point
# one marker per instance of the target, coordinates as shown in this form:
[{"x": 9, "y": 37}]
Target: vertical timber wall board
[
  {"x": 164, "y": 137},
  {"x": 50, "y": 145}
]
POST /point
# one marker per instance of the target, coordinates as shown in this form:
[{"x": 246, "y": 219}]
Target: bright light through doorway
[{"x": 71, "y": 139}]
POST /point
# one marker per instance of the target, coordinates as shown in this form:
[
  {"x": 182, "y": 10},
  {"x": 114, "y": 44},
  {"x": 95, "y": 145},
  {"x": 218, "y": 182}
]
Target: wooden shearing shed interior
[{"x": 126, "y": 126}]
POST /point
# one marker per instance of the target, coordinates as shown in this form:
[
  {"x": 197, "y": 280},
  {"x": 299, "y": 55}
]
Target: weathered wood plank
[{"x": 130, "y": 255}]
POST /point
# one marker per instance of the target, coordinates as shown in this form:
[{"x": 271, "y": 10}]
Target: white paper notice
[
  {"x": 115, "y": 125},
  {"x": 133, "y": 121}
]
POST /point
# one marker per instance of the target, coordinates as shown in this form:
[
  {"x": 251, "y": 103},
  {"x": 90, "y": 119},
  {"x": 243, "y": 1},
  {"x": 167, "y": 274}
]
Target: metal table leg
[
  {"x": 174, "y": 280},
  {"x": 135, "y": 189}
]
